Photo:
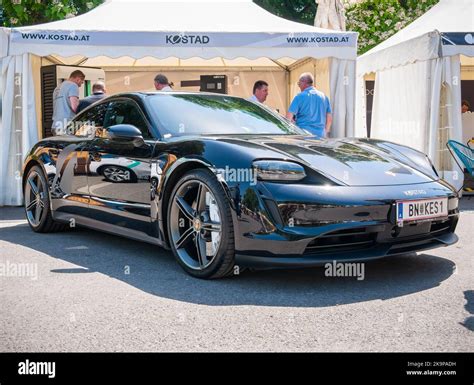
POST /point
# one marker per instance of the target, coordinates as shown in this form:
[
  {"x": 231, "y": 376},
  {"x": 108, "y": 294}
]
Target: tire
[
  {"x": 37, "y": 203},
  {"x": 208, "y": 226}
]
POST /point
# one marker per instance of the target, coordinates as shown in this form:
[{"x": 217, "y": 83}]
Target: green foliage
[
  {"x": 377, "y": 20},
  {"x": 302, "y": 11},
  {"x": 18, "y": 13}
]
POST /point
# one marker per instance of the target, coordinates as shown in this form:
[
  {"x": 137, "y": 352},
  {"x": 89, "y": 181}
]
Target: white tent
[
  {"x": 417, "y": 96},
  {"x": 132, "y": 33}
]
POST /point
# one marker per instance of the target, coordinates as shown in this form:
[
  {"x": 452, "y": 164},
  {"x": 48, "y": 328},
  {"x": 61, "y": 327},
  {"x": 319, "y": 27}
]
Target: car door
[
  {"x": 68, "y": 176},
  {"x": 120, "y": 170}
]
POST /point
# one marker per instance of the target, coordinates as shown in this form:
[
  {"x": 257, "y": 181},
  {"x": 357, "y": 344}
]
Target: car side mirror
[{"x": 125, "y": 132}]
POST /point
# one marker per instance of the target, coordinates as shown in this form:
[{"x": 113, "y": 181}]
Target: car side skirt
[{"x": 107, "y": 228}]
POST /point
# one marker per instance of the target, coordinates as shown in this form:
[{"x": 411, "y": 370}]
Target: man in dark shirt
[{"x": 98, "y": 92}]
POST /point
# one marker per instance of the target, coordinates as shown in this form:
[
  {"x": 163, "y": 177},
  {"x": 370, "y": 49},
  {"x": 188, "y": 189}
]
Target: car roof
[{"x": 143, "y": 94}]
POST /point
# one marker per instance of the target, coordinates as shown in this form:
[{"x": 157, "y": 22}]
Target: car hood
[{"x": 349, "y": 162}]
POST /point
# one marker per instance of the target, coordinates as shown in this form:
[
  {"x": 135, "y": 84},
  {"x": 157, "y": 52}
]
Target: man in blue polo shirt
[{"x": 311, "y": 109}]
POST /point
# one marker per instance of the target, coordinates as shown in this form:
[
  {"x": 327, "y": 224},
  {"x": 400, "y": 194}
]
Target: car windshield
[{"x": 202, "y": 114}]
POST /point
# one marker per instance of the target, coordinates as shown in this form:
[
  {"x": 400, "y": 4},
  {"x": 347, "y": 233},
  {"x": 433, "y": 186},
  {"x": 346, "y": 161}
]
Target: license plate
[{"x": 413, "y": 210}]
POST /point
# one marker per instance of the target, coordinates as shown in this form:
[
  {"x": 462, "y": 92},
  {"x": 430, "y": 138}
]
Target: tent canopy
[
  {"x": 447, "y": 29},
  {"x": 171, "y": 62},
  {"x": 155, "y": 33},
  {"x": 417, "y": 95},
  {"x": 182, "y": 29}
]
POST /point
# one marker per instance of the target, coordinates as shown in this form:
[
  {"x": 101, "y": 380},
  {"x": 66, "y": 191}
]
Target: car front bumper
[
  {"x": 310, "y": 226},
  {"x": 376, "y": 252}
]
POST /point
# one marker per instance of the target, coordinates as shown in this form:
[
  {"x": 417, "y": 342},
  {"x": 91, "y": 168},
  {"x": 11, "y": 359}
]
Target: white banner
[{"x": 186, "y": 39}]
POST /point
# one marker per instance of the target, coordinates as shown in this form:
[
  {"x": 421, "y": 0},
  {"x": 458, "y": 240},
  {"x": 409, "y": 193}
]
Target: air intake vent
[
  {"x": 440, "y": 228},
  {"x": 273, "y": 209},
  {"x": 342, "y": 240}
]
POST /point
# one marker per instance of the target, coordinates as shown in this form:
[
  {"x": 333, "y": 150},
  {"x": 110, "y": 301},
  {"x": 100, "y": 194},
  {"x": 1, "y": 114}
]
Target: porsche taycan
[{"x": 226, "y": 183}]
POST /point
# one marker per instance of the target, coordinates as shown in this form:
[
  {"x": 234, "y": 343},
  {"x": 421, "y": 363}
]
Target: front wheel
[
  {"x": 37, "y": 202},
  {"x": 200, "y": 226}
]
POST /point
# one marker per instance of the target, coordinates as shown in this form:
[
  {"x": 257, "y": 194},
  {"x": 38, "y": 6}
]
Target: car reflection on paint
[{"x": 119, "y": 170}]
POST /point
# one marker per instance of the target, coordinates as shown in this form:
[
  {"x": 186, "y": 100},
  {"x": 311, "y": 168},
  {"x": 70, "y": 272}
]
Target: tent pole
[
  {"x": 81, "y": 62},
  {"x": 54, "y": 60},
  {"x": 288, "y": 80}
]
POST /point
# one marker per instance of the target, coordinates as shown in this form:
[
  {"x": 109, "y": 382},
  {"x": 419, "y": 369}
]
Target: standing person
[
  {"x": 162, "y": 83},
  {"x": 98, "y": 92},
  {"x": 311, "y": 108},
  {"x": 66, "y": 101},
  {"x": 260, "y": 92}
]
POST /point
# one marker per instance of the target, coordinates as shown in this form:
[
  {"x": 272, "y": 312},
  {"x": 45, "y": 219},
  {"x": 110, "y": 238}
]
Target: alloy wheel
[
  {"x": 35, "y": 196},
  {"x": 195, "y": 224}
]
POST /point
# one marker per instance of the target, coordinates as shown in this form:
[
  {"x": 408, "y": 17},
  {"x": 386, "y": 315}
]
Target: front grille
[
  {"x": 439, "y": 228},
  {"x": 365, "y": 238},
  {"x": 313, "y": 215},
  {"x": 342, "y": 240}
]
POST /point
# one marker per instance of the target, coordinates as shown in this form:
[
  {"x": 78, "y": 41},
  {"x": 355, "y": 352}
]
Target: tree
[
  {"x": 377, "y": 20},
  {"x": 302, "y": 11},
  {"x": 374, "y": 20},
  {"x": 17, "y": 13}
]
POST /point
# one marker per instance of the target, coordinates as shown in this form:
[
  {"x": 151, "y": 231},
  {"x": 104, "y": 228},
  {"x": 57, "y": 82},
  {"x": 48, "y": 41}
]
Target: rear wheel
[
  {"x": 37, "y": 203},
  {"x": 200, "y": 226}
]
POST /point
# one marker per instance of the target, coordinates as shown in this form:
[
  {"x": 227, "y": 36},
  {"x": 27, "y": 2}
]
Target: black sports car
[{"x": 225, "y": 183}]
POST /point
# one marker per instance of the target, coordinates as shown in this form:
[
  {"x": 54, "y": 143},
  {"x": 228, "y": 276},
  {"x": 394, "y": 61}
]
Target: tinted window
[
  {"x": 194, "y": 114},
  {"x": 86, "y": 123},
  {"x": 126, "y": 112}
]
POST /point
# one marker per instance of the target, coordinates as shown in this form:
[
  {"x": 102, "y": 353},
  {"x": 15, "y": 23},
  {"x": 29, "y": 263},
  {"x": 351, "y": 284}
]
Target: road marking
[
  {"x": 77, "y": 248},
  {"x": 13, "y": 223}
]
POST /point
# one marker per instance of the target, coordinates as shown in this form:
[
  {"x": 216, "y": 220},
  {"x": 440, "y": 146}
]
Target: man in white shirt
[
  {"x": 66, "y": 101},
  {"x": 162, "y": 83},
  {"x": 260, "y": 92}
]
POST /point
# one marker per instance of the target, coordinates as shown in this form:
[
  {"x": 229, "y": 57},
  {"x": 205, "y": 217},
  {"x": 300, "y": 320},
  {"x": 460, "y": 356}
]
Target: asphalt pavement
[{"x": 85, "y": 291}]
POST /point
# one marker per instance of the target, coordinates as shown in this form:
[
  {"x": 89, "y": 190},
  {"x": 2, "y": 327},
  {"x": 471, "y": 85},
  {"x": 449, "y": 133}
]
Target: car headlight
[{"x": 278, "y": 170}]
